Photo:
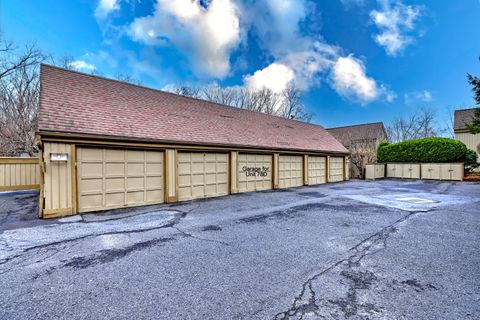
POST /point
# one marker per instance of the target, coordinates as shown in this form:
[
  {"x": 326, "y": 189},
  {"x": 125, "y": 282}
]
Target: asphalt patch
[
  {"x": 110, "y": 255},
  {"x": 312, "y": 194},
  {"x": 212, "y": 228}
]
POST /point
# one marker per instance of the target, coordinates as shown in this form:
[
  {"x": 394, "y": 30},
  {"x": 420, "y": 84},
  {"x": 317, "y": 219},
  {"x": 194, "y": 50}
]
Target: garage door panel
[
  {"x": 210, "y": 167},
  {"x": 154, "y": 182},
  {"x": 92, "y": 155},
  {"x": 198, "y": 168},
  {"x": 184, "y": 180},
  {"x": 154, "y": 157},
  {"x": 92, "y": 170},
  {"x": 136, "y": 197},
  {"x": 154, "y": 169},
  {"x": 135, "y": 156},
  {"x": 202, "y": 175},
  {"x": 135, "y": 169},
  {"x": 91, "y": 185},
  {"x": 114, "y": 169},
  {"x": 115, "y": 155},
  {"x": 122, "y": 178},
  {"x": 154, "y": 196},
  {"x": 92, "y": 201},
  {"x": 113, "y": 199},
  {"x": 114, "y": 184},
  {"x": 211, "y": 178},
  {"x": 198, "y": 191},
  {"x": 135, "y": 183},
  {"x": 198, "y": 179}
]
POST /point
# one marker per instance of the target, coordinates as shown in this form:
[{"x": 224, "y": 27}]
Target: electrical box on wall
[{"x": 59, "y": 157}]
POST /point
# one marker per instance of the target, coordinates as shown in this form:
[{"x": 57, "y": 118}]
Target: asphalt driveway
[{"x": 353, "y": 250}]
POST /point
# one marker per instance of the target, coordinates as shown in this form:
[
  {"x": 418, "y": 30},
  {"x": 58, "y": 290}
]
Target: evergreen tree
[
  {"x": 474, "y": 127},
  {"x": 475, "y": 83}
]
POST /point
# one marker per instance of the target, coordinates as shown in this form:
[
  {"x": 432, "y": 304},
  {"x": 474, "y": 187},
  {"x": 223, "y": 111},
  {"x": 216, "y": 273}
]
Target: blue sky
[{"x": 356, "y": 61}]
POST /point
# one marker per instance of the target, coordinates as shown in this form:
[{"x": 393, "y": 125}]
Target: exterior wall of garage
[{"x": 100, "y": 174}]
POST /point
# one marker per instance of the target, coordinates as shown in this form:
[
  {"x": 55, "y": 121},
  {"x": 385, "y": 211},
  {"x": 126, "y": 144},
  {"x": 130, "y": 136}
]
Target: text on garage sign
[{"x": 256, "y": 171}]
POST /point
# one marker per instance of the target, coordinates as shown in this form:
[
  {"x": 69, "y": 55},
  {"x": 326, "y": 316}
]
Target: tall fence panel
[
  {"x": 374, "y": 171},
  {"x": 19, "y": 173}
]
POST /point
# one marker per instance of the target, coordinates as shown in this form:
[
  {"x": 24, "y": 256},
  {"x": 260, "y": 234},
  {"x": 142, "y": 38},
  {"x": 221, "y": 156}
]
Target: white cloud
[
  {"x": 349, "y": 79},
  {"x": 395, "y": 24},
  {"x": 415, "y": 96},
  {"x": 275, "y": 77},
  {"x": 390, "y": 96},
  {"x": 82, "y": 65},
  {"x": 105, "y": 7},
  {"x": 207, "y": 32},
  {"x": 207, "y": 35},
  {"x": 277, "y": 23}
]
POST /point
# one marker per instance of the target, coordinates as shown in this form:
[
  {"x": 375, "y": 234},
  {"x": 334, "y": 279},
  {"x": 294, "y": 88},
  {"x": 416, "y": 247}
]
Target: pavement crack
[
  {"x": 199, "y": 238},
  {"x": 306, "y": 302}
]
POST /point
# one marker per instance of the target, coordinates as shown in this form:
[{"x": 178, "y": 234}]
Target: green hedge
[{"x": 423, "y": 150}]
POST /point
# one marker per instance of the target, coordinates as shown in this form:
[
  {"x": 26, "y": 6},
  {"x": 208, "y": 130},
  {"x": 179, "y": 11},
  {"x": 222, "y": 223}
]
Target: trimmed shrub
[{"x": 423, "y": 150}]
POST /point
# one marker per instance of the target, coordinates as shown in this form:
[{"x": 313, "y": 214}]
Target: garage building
[{"x": 107, "y": 144}]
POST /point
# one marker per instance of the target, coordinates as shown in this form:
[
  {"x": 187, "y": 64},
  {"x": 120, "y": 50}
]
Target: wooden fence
[
  {"x": 433, "y": 171},
  {"x": 19, "y": 173}
]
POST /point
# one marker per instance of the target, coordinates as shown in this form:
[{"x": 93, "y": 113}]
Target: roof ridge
[
  {"x": 466, "y": 109},
  {"x": 357, "y": 125},
  {"x": 174, "y": 94}
]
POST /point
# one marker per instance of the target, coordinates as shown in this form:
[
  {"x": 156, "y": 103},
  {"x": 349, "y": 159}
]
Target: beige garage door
[
  {"x": 336, "y": 169},
  {"x": 290, "y": 171},
  {"x": 202, "y": 175},
  {"x": 316, "y": 170},
  {"x": 116, "y": 178},
  {"x": 254, "y": 172}
]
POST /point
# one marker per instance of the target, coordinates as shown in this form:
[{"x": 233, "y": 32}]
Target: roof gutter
[{"x": 81, "y": 137}]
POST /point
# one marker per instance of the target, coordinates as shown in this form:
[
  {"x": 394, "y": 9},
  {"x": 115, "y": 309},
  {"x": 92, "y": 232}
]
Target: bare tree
[
  {"x": 287, "y": 104},
  {"x": 363, "y": 149},
  {"x": 19, "y": 101},
  {"x": 11, "y": 61},
  {"x": 223, "y": 95},
  {"x": 188, "y": 91},
  {"x": 421, "y": 124},
  {"x": 292, "y": 104},
  {"x": 120, "y": 76}
]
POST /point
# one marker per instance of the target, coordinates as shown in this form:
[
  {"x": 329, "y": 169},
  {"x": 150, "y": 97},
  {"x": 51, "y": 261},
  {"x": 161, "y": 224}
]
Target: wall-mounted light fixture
[{"x": 58, "y": 156}]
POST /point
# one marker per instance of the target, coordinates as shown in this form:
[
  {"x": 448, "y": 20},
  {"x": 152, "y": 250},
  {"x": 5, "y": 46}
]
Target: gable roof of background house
[
  {"x": 358, "y": 132},
  {"x": 462, "y": 117},
  {"x": 77, "y": 103}
]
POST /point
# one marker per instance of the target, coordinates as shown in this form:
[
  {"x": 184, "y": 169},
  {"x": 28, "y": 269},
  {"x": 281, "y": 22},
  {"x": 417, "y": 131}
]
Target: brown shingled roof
[
  {"x": 462, "y": 118},
  {"x": 358, "y": 132},
  {"x": 73, "y": 102}
]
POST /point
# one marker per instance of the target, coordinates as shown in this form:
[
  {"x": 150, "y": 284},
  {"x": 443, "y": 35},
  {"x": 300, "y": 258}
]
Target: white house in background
[{"x": 461, "y": 119}]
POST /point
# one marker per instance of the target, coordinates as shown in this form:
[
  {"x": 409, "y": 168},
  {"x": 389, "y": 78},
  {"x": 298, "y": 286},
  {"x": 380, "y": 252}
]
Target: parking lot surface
[{"x": 383, "y": 249}]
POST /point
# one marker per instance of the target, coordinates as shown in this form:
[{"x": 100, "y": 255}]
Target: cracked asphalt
[{"x": 385, "y": 249}]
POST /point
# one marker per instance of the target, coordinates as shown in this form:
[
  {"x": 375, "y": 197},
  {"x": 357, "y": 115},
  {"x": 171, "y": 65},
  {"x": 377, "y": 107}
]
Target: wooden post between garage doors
[
  {"x": 233, "y": 172},
  {"x": 171, "y": 176},
  {"x": 327, "y": 170},
  {"x": 305, "y": 169},
  {"x": 276, "y": 170}
]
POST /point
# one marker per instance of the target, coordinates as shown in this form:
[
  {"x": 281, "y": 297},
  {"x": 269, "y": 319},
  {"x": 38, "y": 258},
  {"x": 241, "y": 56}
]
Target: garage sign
[{"x": 256, "y": 171}]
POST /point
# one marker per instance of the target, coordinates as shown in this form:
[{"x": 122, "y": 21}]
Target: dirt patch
[{"x": 472, "y": 177}]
